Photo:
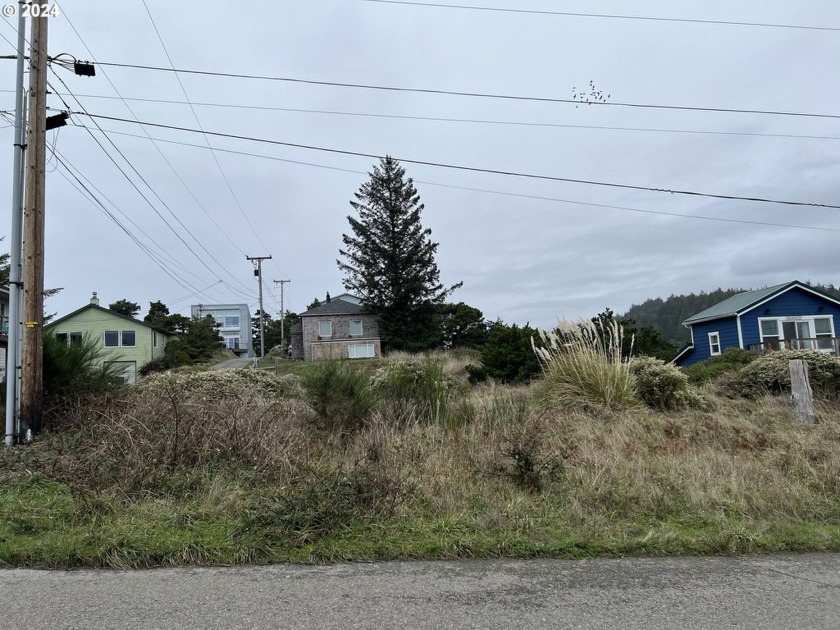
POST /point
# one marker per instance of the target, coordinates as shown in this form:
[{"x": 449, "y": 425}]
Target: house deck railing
[{"x": 829, "y": 345}]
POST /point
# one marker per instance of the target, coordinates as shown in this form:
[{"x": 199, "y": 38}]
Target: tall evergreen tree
[
  {"x": 389, "y": 259},
  {"x": 125, "y": 307}
]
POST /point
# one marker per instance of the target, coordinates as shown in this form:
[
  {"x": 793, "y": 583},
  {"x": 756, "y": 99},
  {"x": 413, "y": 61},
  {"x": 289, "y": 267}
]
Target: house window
[
  {"x": 232, "y": 321},
  {"x": 112, "y": 338},
  {"x": 76, "y": 337},
  {"x": 325, "y": 329},
  {"x": 360, "y": 351},
  {"x": 770, "y": 333},
  {"x": 798, "y": 333},
  {"x": 355, "y": 327},
  {"x": 823, "y": 333},
  {"x": 714, "y": 344},
  {"x": 154, "y": 338},
  {"x": 61, "y": 337},
  {"x": 232, "y": 342}
]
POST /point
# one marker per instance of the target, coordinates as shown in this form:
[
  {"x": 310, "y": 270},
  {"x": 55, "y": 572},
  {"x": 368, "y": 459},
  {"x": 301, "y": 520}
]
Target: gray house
[
  {"x": 337, "y": 329},
  {"x": 235, "y": 320}
]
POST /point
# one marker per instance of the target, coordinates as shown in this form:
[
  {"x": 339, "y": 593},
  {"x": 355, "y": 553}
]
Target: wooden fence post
[{"x": 800, "y": 392}]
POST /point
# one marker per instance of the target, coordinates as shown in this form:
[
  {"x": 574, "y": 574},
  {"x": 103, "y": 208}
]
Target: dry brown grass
[{"x": 737, "y": 475}]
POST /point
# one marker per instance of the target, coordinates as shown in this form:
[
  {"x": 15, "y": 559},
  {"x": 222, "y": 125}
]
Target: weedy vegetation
[{"x": 401, "y": 458}]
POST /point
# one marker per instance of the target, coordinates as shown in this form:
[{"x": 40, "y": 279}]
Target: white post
[
  {"x": 800, "y": 392},
  {"x": 15, "y": 244}
]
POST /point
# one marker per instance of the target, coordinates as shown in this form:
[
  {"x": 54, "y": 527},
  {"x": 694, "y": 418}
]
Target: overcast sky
[{"x": 527, "y": 250}]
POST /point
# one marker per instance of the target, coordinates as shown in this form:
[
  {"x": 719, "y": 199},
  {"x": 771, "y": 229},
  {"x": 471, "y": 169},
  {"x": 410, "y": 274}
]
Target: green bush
[
  {"x": 339, "y": 393},
  {"x": 415, "y": 389},
  {"x": 661, "y": 385},
  {"x": 73, "y": 370},
  {"x": 732, "y": 360},
  {"x": 771, "y": 373},
  {"x": 583, "y": 367},
  {"x": 507, "y": 355}
]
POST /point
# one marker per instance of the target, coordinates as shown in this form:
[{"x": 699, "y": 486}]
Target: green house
[{"x": 125, "y": 342}]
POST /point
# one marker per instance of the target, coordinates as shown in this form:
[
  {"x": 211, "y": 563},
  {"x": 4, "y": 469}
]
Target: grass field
[{"x": 193, "y": 470}]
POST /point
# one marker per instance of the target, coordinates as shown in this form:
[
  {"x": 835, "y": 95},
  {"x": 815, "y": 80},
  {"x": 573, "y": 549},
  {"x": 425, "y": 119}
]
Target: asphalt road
[{"x": 768, "y": 592}]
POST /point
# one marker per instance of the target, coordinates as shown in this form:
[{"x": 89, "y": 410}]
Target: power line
[
  {"x": 515, "y": 123},
  {"x": 146, "y": 199},
  {"x": 198, "y": 122},
  {"x": 90, "y": 185},
  {"x": 162, "y": 155},
  {"x": 510, "y": 97},
  {"x": 497, "y": 192},
  {"x": 474, "y": 169},
  {"x": 604, "y": 15},
  {"x": 87, "y": 193}
]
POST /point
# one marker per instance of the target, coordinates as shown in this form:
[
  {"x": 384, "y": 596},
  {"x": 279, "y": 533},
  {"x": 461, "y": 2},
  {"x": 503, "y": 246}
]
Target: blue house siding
[
  {"x": 794, "y": 303},
  {"x": 726, "y": 328}
]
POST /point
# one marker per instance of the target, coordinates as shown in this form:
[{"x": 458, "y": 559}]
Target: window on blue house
[
  {"x": 770, "y": 333},
  {"x": 714, "y": 344},
  {"x": 823, "y": 333}
]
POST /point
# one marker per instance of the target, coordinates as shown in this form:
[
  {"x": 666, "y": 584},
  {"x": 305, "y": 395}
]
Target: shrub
[
  {"x": 771, "y": 373},
  {"x": 339, "y": 393},
  {"x": 507, "y": 355},
  {"x": 661, "y": 385},
  {"x": 583, "y": 366},
  {"x": 219, "y": 384},
  {"x": 732, "y": 360},
  {"x": 72, "y": 370},
  {"x": 415, "y": 388}
]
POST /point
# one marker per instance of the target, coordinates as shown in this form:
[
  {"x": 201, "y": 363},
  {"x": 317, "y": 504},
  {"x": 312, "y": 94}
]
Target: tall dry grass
[
  {"x": 583, "y": 367},
  {"x": 510, "y": 477}
]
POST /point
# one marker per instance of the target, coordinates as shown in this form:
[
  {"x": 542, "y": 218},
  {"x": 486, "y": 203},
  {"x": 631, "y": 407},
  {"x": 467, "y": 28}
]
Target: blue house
[{"x": 792, "y": 316}]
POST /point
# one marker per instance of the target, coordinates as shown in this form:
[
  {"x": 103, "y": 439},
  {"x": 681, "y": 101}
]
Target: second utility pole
[
  {"x": 32, "y": 373},
  {"x": 258, "y": 272}
]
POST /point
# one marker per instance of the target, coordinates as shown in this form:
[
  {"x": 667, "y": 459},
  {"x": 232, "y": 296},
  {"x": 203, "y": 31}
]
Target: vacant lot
[{"x": 339, "y": 463}]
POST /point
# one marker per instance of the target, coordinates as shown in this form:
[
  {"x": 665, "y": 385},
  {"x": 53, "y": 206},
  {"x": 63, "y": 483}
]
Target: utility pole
[
  {"x": 32, "y": 376},
  {"x": 257, "y": 260},
  {"x": 282, "y": 310},
  {"x": 15, "y": 245}
]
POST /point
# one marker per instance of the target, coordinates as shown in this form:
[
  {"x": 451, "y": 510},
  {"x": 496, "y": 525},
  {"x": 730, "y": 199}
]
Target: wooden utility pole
[
  {"x": 257, "y": 260},
  {"x": 32, "y": 374},
  {"x": 282, "y": 310}
]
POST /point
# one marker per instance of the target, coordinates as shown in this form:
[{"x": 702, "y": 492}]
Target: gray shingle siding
[{"x": 337, "y": 345}]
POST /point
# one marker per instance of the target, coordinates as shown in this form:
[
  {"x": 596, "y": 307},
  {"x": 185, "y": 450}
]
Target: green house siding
[{"x": 93, "y": 321}]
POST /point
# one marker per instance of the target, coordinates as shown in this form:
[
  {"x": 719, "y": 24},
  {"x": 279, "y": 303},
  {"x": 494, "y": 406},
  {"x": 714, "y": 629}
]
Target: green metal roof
[{"x": 739, "y": 303}]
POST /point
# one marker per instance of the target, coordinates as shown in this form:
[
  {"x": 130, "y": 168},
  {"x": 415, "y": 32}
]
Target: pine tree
[{"x": 390, "y": 259}]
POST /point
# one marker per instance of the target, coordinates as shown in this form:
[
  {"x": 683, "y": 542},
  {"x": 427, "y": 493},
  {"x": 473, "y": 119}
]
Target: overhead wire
[
  {"x": 647, "y": 18},
  {"x": 198, "y": 122},
  {"x": 470, "y": 94},
  {"x": 473, "y": 169},
  {"x": 498, "y": 192},
  {"x": 516, "y": 123},
  {"x": 154, "y": 192},
  {"x": 162, "y": 253},
  {"x": 163, "y": 156},
  {"x": 87, "y": 193}
]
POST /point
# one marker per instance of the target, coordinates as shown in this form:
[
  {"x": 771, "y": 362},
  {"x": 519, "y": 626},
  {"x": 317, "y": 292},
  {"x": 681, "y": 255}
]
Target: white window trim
[
  {"x": 325, "y": 321},
  {"x": 712, "y": 344},
  {"x": 361, "y": 328},
  {"x": 796, "y": 318},
  {"x": 351, "y": 350},
  {"x": 119, "y": 338}
]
